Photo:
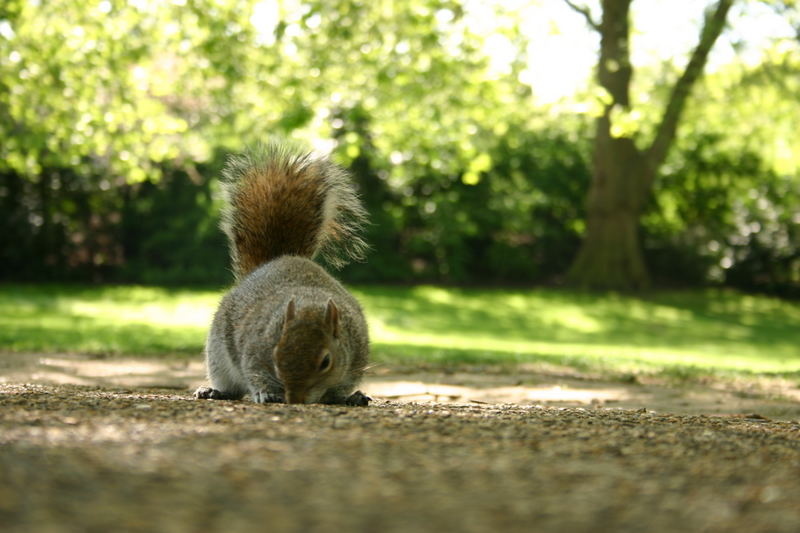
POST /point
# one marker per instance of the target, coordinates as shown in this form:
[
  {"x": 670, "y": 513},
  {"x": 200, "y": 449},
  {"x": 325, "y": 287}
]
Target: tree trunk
[{"x": 610, "y": 256}]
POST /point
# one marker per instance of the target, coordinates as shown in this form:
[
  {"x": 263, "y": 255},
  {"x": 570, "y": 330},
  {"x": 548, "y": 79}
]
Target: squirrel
[{"x": 288, "y": 331}]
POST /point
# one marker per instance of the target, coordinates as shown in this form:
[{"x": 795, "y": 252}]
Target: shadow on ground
[
  {"x": 132, "y": 459},
  {"x": 525, "y": 385}
]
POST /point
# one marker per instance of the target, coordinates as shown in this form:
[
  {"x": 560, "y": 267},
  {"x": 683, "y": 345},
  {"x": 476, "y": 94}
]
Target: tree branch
[
  {"x": 583, "y": 10},
  {"x": 614, "y": 70},
  {"x": 665, "y": 133}
]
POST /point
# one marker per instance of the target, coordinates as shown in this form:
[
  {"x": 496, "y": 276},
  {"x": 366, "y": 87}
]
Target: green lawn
[{"x": 679, "y": 332}]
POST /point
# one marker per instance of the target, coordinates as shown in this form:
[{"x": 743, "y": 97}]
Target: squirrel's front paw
[
  {"x": 267, "y": 397},
  {"x": 207, "y": 393},
  {"x": 358, "y": 399}
]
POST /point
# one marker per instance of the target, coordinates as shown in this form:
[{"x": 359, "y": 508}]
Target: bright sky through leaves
[{"x": 563, "y": 50}]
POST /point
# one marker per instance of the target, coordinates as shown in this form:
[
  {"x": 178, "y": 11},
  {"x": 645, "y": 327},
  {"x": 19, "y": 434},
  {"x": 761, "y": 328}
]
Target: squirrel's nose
[{"x": 295, "y": 396}]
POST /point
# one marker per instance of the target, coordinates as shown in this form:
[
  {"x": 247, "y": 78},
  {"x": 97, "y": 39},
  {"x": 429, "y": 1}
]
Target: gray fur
[{"x": 248, "y": 323}]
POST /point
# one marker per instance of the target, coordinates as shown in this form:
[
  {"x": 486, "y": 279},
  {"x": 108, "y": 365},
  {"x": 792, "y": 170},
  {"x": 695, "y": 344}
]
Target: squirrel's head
[{"x": 308, "y": 358}]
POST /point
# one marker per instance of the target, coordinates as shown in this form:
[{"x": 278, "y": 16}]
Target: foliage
[
  {"x": 115, "y": 118},
  {"x": 727, "y": 203},
  {"x": 108, "y": 90},
  {"x": 684, "y": 332},
  {"x": 517, "y": 222},
  {"x": 170, "y": 233},
  {"x": 725, "y": 216}
]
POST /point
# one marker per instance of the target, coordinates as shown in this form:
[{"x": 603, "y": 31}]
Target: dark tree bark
[{"x": 623, "y": 174}]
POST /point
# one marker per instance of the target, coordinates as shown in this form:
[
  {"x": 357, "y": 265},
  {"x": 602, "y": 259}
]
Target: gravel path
[{"x": 86, "y": 459}]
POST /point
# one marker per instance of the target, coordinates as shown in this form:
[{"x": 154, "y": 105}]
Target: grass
[{"x": 677, "y": 332}]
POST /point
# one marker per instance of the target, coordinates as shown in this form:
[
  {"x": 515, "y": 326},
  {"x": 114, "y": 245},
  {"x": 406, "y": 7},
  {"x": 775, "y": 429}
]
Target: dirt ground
[{"x": 98, "y": 445}]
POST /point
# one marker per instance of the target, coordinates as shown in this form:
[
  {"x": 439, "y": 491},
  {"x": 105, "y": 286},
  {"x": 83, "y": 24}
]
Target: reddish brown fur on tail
[
  {"x": 281, "y": 201},
  {"x": 287, "y": 225}
]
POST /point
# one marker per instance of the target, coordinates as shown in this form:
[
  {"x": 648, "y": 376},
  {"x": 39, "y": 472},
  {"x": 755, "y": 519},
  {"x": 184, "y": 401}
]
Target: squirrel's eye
[{"x": 325, "y": 364}]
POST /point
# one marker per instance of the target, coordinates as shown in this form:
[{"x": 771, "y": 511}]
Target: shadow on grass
[
  {"x": 675, "y": 330},
  {"x": 715, "y": 326}
]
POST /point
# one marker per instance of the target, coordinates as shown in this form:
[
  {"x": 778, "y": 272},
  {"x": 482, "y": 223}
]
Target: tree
[
  {"x": 623, "y": 173},
  {"x": 94, "y": 97},
  {"x": 100, "y": 100}
]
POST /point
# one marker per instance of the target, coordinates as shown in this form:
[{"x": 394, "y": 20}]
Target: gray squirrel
[{"x": 288, "y": 331}]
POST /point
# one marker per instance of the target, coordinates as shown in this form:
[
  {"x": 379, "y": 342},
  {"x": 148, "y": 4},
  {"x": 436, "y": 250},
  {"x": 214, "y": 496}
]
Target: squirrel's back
[{"x": 281, "y": 200}]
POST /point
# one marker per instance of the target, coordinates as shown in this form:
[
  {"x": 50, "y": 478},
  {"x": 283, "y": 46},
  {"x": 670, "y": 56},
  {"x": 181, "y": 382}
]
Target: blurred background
[
  {"x": 510, "y": 154},
  {"x": 468, "y": 125}
]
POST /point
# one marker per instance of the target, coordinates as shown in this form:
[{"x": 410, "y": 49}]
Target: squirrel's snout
[{"x": 296, "y": 396}]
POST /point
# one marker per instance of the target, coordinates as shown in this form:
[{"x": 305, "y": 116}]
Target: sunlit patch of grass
[
  {"x": 677, "y": 332},
  {"x": 723, "y": 330},
  {"x": 105, "y": 320}
]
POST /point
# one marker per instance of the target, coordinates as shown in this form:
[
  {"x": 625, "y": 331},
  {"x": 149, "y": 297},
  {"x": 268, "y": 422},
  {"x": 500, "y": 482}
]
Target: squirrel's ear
[
  {"x": 332, "y": 318},
  {"x": 290, "y": 313}
]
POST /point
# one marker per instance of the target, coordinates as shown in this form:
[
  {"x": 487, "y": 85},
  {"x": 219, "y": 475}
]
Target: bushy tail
[{"x": 281, "y": 200}]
